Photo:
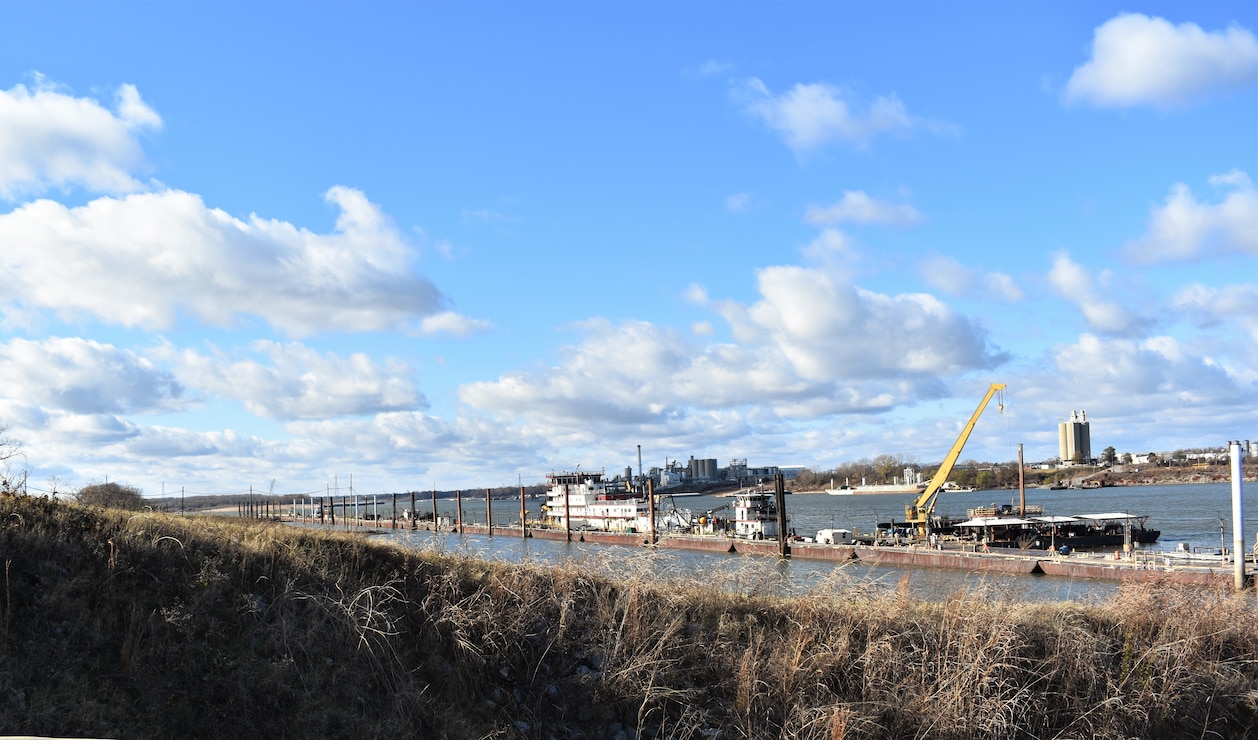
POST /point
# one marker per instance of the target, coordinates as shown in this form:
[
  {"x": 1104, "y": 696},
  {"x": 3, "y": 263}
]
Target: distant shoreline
[{"x": 1117, "y": 477}]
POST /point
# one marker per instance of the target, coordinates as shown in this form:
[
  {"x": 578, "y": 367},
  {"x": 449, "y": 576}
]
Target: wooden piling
[
  {"x": 650, "y": 496},
  {"x": 1021, "y": 483},
  {"x": 779, "y": 493},
  {"x": 458, "y": 508},
  {"x": 489, "y": 511}
]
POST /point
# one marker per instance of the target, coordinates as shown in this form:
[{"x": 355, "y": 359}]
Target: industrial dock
[{"x": 1114, "y": 566}]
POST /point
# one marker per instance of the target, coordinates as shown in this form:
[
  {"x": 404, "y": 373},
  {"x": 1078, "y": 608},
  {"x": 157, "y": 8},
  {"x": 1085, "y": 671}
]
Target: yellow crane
[{"x": 918, "y": 512}]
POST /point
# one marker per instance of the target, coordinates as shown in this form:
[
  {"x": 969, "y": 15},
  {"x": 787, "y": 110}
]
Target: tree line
[{"x": 889, "y": 468}]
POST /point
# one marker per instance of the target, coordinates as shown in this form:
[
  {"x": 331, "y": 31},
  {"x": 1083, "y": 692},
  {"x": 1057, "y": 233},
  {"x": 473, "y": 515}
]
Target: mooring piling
[
  {"x": 779, "y": 494},
  {"x": 524, "y": 532}
]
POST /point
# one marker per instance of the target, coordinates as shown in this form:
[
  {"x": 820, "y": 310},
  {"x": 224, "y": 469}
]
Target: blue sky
[{"x": 464, "y": 244}]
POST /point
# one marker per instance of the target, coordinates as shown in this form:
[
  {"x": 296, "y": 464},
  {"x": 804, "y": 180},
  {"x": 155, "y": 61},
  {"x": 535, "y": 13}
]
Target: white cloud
[
  {"x": 449, "y": 322},
  {"x": 1002, "y": 286},
  {"x": 1184, "y": 229},
  {"x": 831, "y": 247},
  {"x": 1070, "y": 281},
  {"x": 1139, "y": 60},
  {"x": 617, "y": 376},
  {"x": 712, "y": 68},
  {"x": 857, "y": 206},
  {"x": 301, "y": 383},
  {"x": 637, "y": 377},
  {"x": 738, "y": 202},
  {"x": 949, "y": 275},
  {"x": 1149, "y": 376},
  {"x": 50, "y": 139},
  {"x": 829, "y": 328},
  {"x": 952, "y": 277},
  {"x": 696, "y": 294},
  {"x": 147, "y": 259},
  {"x": 485, "y": 215},
  {"x": 1213, "y": 305},
  {"x": 810, "y": 116},
  {"x": 91, "y": 430},
  {"x": 811, "y": 346},
  {"x": 388, "y": 450},
  {"x": 85, "y": 377},
  {"x": 1209, "y": 307}
]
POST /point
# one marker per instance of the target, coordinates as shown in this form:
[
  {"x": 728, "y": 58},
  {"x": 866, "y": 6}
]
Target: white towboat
[
  {"x": 588, "y": 501},
  {"x": 755, "y": 515}
]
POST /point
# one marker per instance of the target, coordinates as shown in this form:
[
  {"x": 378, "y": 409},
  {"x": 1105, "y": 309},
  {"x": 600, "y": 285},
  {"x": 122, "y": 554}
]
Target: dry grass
[{"x": 117, "y": 624}]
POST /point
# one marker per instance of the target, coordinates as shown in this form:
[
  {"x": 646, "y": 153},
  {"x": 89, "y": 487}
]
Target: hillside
[
  {"x": 1166, "y": 475},
  {"x": 146, "y": 625}
]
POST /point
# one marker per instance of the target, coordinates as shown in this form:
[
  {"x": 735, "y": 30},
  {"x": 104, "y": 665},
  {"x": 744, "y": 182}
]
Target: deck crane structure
[{"x": 917, "y": 514}]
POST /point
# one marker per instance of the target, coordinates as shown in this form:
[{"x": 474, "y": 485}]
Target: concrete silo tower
[{"x": 1074, "y": 437}]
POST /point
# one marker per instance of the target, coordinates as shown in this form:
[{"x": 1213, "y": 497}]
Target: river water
[{"x": 1183, "y": 513}]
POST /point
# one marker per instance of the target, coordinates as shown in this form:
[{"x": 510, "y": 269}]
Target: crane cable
[{"x": 1008, "y": 424}]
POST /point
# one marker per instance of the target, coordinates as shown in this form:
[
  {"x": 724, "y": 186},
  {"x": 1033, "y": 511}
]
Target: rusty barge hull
[
  {"x": 812, "y": 551},
  {"x": 914, "y": 557},
  {"x": 905, "y": 557},
  {"x": 1116, "y": 571},
  {"x": 706, "y": 544}
]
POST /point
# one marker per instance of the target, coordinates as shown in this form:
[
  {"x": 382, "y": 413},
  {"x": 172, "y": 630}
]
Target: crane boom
[{"x": 918, "y": 512}]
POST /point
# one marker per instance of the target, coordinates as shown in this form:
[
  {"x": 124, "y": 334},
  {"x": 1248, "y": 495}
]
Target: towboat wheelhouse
[{"x": 755, "y": 515}]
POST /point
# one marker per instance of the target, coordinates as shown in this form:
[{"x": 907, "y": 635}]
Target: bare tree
[
  {"x": 10, "y": 451},
  {"x": 887, "y": 466},
  {"x": 9, "y": 447},
  {"x": 113, "y": 495}
]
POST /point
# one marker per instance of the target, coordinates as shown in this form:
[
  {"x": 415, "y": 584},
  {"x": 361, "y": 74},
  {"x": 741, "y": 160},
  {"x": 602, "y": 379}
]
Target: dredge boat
[
  {"x": 1037, "y": 532},
  {"x": 1006, "y": 527},
  {"x": 1000, "y": 526}
]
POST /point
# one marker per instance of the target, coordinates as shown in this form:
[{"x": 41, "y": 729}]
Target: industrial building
[
  {"x": 707, "y": 470},
  {"x": 1074, "y": 438}
]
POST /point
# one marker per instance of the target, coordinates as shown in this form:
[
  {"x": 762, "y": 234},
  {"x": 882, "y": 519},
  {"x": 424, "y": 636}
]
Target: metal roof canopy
[{"x": 1115, "y": 515}]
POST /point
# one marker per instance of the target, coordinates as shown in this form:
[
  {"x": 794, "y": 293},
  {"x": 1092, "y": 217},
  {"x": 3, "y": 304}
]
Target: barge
[{"x": 1008, "y": 527}]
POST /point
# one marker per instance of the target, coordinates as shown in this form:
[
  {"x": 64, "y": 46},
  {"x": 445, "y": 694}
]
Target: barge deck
[{"x": 1137, "y": 567}]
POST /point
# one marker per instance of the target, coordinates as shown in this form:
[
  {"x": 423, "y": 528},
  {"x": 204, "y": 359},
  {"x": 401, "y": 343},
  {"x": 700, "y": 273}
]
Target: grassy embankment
[{"x": 147, "y": 625}]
